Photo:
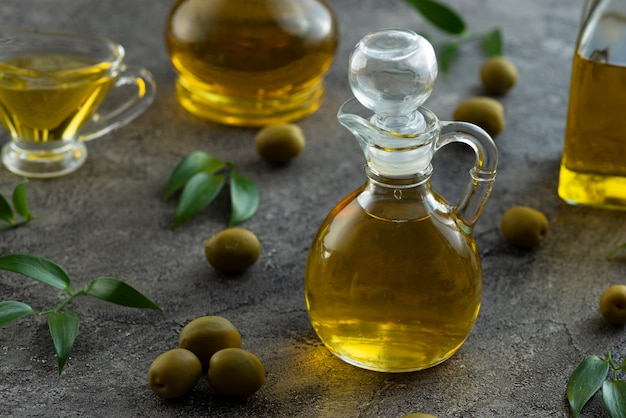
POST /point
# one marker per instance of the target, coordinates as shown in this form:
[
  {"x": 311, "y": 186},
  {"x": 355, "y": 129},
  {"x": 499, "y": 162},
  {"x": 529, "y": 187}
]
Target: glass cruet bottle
[
  {"x": 593, "y": 165},
  {"x": 393, "y": 279},
  {"x": 251, "y": 62}
]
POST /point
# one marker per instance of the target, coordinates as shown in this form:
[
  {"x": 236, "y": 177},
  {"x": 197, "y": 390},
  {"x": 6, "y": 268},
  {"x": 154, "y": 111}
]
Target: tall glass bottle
[
  {"x": 393, "y": 280},
  {"x": 251, "y": 62},
  {"x": 593, "y": 167}
]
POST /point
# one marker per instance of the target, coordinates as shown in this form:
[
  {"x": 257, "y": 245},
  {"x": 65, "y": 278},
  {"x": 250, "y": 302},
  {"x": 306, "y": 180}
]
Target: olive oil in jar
[
  {"x": 593, "y": 168},
  {"x": 251, "y": 62},
  {"x": 392, "y": 296}
]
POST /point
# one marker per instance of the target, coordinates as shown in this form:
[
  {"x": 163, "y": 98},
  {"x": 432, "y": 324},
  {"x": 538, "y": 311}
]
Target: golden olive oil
[
  {"x": 53, "y": 109},
  {"x": 251, "y": 62},
  {"x": 392, "y": 296},
  {"x": 593, "y": 168}
]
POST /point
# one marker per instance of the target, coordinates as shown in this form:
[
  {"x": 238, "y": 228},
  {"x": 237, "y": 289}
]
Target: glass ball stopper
[{"x": 392, "y": 72}]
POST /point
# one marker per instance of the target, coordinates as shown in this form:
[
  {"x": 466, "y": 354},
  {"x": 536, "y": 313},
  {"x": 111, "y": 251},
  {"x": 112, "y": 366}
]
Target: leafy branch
[
  {"x": 449, "y": 21},
  {"x": 20, "y": 207},
  {"x": 63, "y": 324},
  {"x": 200, "y": 177},
  {"x": 589, "y": 377}
]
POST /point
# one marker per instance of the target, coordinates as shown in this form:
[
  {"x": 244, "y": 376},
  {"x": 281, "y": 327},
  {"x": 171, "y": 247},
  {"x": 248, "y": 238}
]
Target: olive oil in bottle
[
  {"x": 593, "y": 167},
  {"x": 392, "y": 296}
]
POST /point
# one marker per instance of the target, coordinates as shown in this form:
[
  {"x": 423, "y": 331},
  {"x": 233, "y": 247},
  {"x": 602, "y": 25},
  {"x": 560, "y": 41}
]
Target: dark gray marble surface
[{"x": 539, "y": 316}]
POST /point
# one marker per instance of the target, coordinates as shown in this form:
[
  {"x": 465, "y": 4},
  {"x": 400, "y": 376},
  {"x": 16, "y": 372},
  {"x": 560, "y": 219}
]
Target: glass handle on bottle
[{"x": 478, "y": 189}]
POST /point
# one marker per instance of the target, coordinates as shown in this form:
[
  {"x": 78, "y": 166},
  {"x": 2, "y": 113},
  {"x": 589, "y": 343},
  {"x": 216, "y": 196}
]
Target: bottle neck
[
  {"x": 400, "y": 199},
  {"x": 389, "y": 152},
  {"x": 404, "y": 181}
]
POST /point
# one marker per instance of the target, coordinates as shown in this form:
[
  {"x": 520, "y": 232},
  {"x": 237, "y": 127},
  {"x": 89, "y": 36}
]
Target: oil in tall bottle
[{"x": 593, "y": 166}]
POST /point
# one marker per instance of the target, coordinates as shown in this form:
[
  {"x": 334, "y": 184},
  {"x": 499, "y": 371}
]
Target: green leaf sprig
[
  {"x": 63, "y": 324},
  {"x": 449, "y": 21},
  {"x": 589, "y": 377},
  {"x": 20, "y": 207},
  {"x": 200, "y": 177},
  {"x": 616, "y": 250}
]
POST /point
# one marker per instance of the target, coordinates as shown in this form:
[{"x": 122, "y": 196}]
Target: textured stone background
[{"x": 539, "y": 316}]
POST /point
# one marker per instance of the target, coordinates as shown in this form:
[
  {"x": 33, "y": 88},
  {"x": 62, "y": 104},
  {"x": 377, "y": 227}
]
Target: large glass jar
[{"x": 251, "y": 62}]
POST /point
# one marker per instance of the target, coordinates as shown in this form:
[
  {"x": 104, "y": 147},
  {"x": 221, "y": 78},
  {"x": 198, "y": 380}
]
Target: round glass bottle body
[
  {"x": 251, "y": 62},
  {"x": 392, "y": 283}
]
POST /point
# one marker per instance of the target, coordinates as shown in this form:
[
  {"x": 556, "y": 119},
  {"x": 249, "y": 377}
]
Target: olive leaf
[
  {"x": 586, "y": 380},
  {"x": 6, "y": 213},
  {"x": 440, "y": 16},
  {"x": 20, "y": 207},
  {"x": 492, "y": 43},
  {"x": 591, "y": 375},
  {"x": 11, "y": 310},
  {"x": 37, "y": 268},
  {"x": 244, "y": 197},
  {"x": 614, "y": 398},
  {"x": 19, "y": 201},
  {"x": 192, "y": 164},
  {"x": 63, "y": 329},
  {"x": 201, "y": 178},
  {"x": 63, "y": 325},
  {"x": 197, "y": 194},
  {"x": 110, "y": 289}
]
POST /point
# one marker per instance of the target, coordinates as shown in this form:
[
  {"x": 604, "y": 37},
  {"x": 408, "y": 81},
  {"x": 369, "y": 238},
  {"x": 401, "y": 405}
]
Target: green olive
[
  {"x": 174, "y": 373},
  {"x": 613, "y": 304},
  {"x": 498, "y": 75},
  {"x": 207, "y": 335},
  {"x": 483, "y": 111},
  {"x": 279, "y": 144},
  {"x": 523, "y": 227},
  {"x": 232, "y": 250},
  {"x": 235, "y": 372}
]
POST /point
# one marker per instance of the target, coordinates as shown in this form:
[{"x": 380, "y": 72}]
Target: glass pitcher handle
[
  {"x": 483, "y": 174},
  {"x": 137, "y": 90}
]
